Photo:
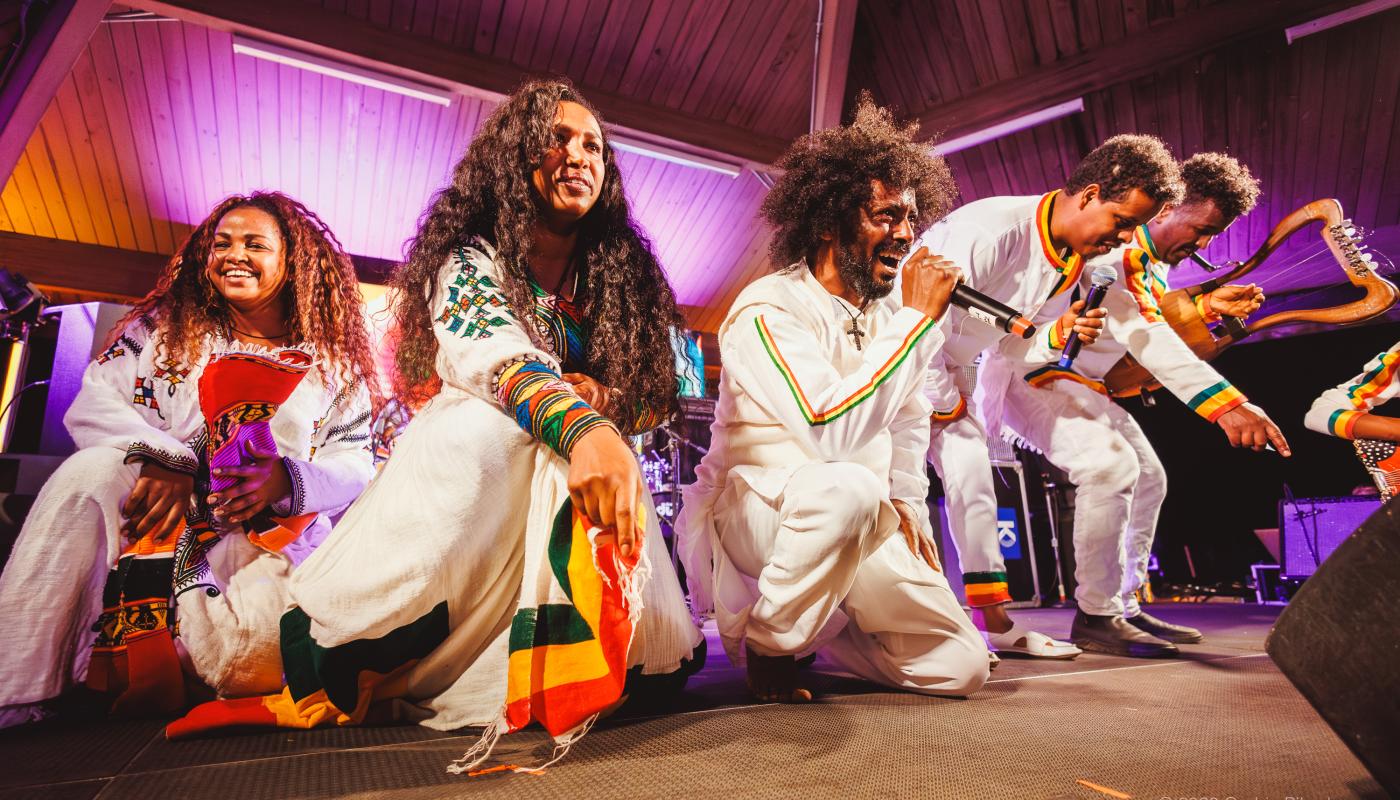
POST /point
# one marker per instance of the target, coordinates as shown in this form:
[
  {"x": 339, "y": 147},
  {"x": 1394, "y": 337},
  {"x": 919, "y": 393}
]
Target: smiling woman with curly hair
[
  {"x": 534, "y": 329},
  {"x": 225, "y": 420}
]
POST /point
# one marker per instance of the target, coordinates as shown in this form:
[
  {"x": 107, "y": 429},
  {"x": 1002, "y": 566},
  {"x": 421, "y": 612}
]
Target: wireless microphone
[
  {"x": 1102, "y": 278},
  {"x": 983, "y": 308}
]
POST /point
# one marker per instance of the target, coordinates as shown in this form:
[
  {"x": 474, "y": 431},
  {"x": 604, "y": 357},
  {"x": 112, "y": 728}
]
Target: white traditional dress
[
  {"x": 1067, "y": 414},
  {"x": 216, "y": 591},
  {"x": 789, "y": 530},
  {"x": 1335, "y": 411},
  {"x": 427, "y": 592}
]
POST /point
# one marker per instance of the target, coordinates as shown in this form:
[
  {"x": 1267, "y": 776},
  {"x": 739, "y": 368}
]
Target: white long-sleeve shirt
[
  {"x": 1134, "y": 325},
  {"x": 795, "y": 389},
  {"x": 1335, "y": 411}
]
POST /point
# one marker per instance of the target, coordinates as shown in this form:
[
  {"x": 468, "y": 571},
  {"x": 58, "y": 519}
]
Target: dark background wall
[{"x": 1218, "y": 495}]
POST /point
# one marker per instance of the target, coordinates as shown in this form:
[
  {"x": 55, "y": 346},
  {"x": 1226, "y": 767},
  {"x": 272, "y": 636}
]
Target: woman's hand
[
  {"x": 590, "y": 391},
  {"x": 158, "y": 504},
  {"x": 261, "y": 484},
  {"x": 605, "y": 484}
]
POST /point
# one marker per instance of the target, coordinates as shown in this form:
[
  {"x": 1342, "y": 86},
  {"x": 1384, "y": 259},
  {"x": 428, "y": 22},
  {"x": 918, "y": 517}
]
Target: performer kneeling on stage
[
  {"x": 227, "y": 418},
  {"x": 471, "y": 584},
  {"x": 1067, "y": 414},
  {"x": 808, "y": 525}
]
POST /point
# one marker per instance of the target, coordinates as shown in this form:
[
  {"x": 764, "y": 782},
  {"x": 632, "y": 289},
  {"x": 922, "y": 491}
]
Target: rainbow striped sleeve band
[
  {"x": 944, "y": 416},
  {"x": 545, "y": 406},
  {"x": 1202, "y": 302},
  {"x": 1342, "y": 421},
  {"x": 986, "y": 589},
  {"x": 1054, "y": 337},
  {"x": 1213, "y": 402},
  {"x": 860, "y": 395},
  {"x": 1378, "y": 375}
]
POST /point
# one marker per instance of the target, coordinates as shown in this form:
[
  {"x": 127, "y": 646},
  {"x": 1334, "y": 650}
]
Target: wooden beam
[
  {"x": 1191, "y": 35},
  {"x": 112, "y": 270},
  {"x": 353, "y": 41},
  {"x": 833, "y": 61},
  {"x": 44, "y": 63}
]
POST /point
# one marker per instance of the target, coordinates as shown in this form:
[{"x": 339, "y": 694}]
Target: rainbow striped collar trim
[
  {"x": 1144, "y": 242},
  {"x": 1047, "y": 243},
  {"x": 1070, "y": 268}
]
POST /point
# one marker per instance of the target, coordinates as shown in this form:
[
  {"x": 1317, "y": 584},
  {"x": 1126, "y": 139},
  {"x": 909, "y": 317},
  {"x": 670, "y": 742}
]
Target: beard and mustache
[{"x": 858, "y": 270}]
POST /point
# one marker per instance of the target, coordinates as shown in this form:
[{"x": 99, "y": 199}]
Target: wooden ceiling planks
[{"x": 1313, "y": 119}]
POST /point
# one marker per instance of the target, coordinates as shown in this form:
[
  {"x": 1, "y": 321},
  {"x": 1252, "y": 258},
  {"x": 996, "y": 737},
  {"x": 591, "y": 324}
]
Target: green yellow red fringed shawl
[{"x": 580, "y": 603}]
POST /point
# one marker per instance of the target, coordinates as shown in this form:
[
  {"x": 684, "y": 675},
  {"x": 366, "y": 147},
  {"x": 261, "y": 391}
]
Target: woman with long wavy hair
[
  {"x": 225, "y": 421},
  {"x": 534, "y": 328}
]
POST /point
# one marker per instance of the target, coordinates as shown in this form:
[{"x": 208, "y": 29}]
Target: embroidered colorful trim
[
  {"x": 545, "y": 406},
  {"x": 1342, "y": 422},
  {"x": 140, "y": 451},
  {"x": 1047, "y": 375},
  {"x": 1069, "y": 269},
  {"x": 474, "y": 303},
  {"x": 1378, "y": 375},
  {"x": 1053, "y": 337},
  {"x": 986, "y": 588},
  {"x": 1214, "y": 401},
  {"x": 1143, "y": 237},
  {"x": 815, "y": 417},
  {"x": 1144, "y": 284}
]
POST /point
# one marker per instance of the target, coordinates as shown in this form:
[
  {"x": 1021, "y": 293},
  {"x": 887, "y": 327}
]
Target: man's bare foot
[
  {"x": 992, "y": 619},
  {"x": 774, "y": 679}
]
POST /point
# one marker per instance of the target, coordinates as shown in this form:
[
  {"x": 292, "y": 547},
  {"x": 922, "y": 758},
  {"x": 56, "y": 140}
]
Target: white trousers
[
  {"x": 1120, "y": 485},
  {"x": 51, "y": 591},
  {"x": 822, "y": 573},
  {"x": 958, "y": 452}
]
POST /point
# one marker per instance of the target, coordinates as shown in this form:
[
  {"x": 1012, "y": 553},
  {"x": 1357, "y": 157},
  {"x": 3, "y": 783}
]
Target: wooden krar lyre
[{"x": 1128, "y": 378}]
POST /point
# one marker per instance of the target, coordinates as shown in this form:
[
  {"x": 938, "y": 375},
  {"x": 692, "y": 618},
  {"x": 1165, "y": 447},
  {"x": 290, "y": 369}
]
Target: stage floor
[{"x": 1219, "y": 722}]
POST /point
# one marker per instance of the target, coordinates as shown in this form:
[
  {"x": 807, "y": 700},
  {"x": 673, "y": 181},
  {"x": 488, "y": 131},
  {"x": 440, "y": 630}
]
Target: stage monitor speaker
[
  {"x": 1338, "y": 643},
  {"x": 1310, "y": 528}
]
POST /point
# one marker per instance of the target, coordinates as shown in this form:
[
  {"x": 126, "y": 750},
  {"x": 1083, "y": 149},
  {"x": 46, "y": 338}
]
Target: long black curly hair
[
  {"x": 827, "y": 174},
  {"x": 628, "y": 305}
]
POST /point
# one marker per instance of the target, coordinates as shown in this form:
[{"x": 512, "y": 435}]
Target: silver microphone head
[{"x": 1103, "y": 275}]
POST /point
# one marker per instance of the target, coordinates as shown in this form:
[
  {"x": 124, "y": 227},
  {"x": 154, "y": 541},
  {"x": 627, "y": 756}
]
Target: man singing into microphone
[
  {"x": 807, "y": 526},
  {"x": 1026, "y": 252},
  {"x": 1066, "y": 413}
]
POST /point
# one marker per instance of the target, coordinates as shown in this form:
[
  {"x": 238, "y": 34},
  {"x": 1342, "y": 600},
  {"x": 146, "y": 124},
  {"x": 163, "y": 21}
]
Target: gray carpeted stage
[{"x": 1219, "y": 722}]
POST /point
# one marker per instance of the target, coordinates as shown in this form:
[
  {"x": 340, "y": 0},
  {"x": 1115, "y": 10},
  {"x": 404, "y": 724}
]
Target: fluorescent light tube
[
  {"x": 1010, "y": 126},
  {"x": 1352, "y": 14},
  {"x": 336, "y": 69},
  {"x": 651, "y": 150}
]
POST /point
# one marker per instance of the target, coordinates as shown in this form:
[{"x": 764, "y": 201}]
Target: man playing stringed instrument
[{"x": 1067, "y": 413}]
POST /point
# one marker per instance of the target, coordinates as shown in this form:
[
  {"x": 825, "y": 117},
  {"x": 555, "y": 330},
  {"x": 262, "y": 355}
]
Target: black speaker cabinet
[{"x": 1339, "y": 643}]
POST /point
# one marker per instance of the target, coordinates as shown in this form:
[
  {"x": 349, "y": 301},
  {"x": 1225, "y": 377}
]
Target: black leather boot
[
  {"x": 1180, "y": 634},
  {"x": 1113, "y": 635}
]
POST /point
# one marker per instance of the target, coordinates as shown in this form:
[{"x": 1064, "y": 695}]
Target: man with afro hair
[
  {"x": 807, "y": 527},
  {"x": 1029, "y": 253},
  {"x": 1067, "y": 414}
]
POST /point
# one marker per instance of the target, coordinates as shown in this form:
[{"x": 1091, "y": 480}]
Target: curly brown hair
[
  {"x": 827, "y": 178},
  {"x": 1126, "y": 162},
  {"x": 322, "y": 291},
  {"x": 628, "y": 306},
  {"x": 1222, "y": 180}
]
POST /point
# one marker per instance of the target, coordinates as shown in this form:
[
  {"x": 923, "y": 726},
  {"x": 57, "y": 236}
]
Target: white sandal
[{"x": 1026, "y": 642}]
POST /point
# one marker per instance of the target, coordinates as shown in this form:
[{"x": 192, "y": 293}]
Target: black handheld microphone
[
  {"x": 1102, "y": 277},
  {"x": 983, "y": 308}
]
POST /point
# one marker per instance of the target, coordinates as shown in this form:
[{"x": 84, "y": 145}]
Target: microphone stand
[{"x": 1051, "y": 513}]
